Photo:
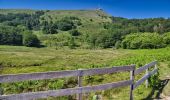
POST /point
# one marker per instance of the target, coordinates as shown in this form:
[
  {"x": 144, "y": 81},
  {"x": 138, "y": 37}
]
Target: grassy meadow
[
  {"x": 20, "y": 59},
  {"x": 56, "y": 40}
]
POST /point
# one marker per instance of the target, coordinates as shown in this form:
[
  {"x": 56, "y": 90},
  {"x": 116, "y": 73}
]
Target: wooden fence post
[
  {"x": 156, "y": 66},
  {"x": 79, "y": 96},
  {"x": 131, "y": 86},
  {"x": 146, "y": 82}
]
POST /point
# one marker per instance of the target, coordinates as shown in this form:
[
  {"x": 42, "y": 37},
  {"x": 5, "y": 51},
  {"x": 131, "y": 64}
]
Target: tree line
[
  {"x": 13, "y": 36},
  {"x": 16, "y": 29},
  {"x": 133, "y": 33}
]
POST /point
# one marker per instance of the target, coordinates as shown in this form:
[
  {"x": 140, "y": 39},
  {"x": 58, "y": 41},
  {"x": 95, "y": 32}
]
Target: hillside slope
[{"x": 84, "y": 21}]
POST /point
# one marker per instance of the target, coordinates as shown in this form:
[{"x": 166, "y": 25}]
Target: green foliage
[
  {"x": 159, "y": 25},
  {"x": 154, "y": 80},
  {"x": 167, "y": 38},
  {"x": 56, "y": 40},
  {"x": 49, "y": 28},
  {"x": 31, "y": 21},
  {"x": 68, "y": 23},
  {"x": 72, "y": 43},
  {"x": 10, "y": 36},
  {"x": 30, "y": 40},
  {"x": 103, "y": 40},
  {"x": 118, "y": 44},
  {"x": 97, "y": 32},
  {"x": 65, "y": 25},
  {"x": 74, "y": 32},
  {"x": 143, "y": 41}
]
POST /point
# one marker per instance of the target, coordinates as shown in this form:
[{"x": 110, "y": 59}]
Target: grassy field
[{"x": 19, "y": 59}]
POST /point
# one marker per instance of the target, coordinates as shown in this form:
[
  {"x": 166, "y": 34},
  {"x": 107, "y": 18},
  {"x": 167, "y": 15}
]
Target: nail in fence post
[
  {"x": 79, "y": 96},
  {"x": 131, "y": 86}
]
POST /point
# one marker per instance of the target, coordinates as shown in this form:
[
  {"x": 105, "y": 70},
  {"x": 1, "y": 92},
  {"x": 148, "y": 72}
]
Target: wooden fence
[{"x": 77, "y": 73}]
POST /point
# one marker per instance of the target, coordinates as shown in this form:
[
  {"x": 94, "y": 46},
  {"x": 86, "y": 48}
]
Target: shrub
[
  {"x": 143, "y": 41},
  {"x": 118, "y": 44},
  {"x": 10, "y": 36},
  {"x": 58, "y": 41},
  {"x": 30, "y": 40},
  {"x": 102, "y": 39},
  {"x": 66, "y": 24},
  {"x": 74, "y": 32},
  {"x": 49, "y": 28},
  {"x": 167, "y": 38}
]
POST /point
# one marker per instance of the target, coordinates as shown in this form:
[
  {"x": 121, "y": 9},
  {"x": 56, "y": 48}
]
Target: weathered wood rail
[{"x": 77, "y": 73}]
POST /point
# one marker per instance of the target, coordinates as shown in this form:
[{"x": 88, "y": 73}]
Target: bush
[
  {"x": 103, "y": 40},
  {"x": 74, "y": 32},
  {"x": 143, "y": 41},
  {"x": 10, "y": 36},
  {"x": 68, "y": 23},
  {"x": 167, "y": 38},
  {"x": 58, "y": 41},
  {"x": 65, "y": 25},
  {"x": 30, "y": 40},
  {"x": 49, "y": 28},
  {"x": 118, "y": 44}
]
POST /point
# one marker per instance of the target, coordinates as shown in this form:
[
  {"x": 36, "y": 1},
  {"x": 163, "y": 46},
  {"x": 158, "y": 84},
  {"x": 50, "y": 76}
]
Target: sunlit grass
[{"x": 19, "y": 59}]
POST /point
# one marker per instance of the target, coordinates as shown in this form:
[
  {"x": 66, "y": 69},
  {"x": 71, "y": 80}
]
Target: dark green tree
[
  {"x": 74, "y": 32},
  {"x": 30, "y": 40}
]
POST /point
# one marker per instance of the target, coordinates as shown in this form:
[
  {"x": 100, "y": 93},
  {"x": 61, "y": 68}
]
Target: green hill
[
  {"x": 85, "y": 21},
  {"x": 83, "y": 29}
]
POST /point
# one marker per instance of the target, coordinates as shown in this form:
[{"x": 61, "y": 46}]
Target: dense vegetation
[
  {"x": 88, "y": 31},
  {"x": 76, "y": 30},
  {"x": 19, "y": 59},
  {"x": 30, "y": 40},
  {"x": 145, "y": 40}
]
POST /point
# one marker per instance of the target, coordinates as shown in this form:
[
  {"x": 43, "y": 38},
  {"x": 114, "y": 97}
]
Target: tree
[
  {"x": 102, "y": 39},
  {"x": 10, "y": 36},
  {"x": 74, "y": 32},
  {"x": 49, "y": 28},
  {"x": 65, "y": 25},
  {"x": 30, "y": 40}
]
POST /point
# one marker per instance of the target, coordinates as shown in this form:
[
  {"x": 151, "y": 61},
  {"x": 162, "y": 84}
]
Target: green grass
[{"x": 19, "y": 59}]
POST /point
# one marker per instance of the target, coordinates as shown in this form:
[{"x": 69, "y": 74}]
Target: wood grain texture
[
  {"x": 63, "y": 92},
  {"x": 144, "y": 78},
  {"x": 141, "y": 69},
  {"x": 132, "y": 76},
  {"x": 63, "y": 74},
  {"x": 76, "y": 73}
]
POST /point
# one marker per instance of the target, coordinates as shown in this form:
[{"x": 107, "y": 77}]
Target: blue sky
[{"x": 122, "y": 8}]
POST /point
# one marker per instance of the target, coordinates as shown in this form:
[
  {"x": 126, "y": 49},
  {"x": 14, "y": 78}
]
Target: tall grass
[{"x": 18, "y": 59}]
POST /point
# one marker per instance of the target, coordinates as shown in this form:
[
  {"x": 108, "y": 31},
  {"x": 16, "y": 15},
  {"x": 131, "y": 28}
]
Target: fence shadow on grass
[{"x": 157, "y": 91}]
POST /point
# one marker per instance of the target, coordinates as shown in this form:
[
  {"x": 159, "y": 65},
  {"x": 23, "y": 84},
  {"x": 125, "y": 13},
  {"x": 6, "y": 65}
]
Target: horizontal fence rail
[
  {"x": 63, "y": 92},
  {"x": 63, "y": 74},
  {"x": 147, "y": 75},
  {"x": 79, "y": 74},
  {"x": 141, "y": 69}
]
